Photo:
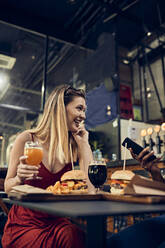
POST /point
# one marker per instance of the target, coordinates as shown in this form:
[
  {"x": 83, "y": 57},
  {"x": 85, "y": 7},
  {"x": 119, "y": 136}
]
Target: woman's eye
[{"x": 80, "y": 108}]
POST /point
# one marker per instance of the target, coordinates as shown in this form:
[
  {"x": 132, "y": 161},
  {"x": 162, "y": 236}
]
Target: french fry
[
  {"x": 56, "y": 191},
  {"x": 65, "y": 190},
  {"x": 50, "y": 188},
  {"x": 57, "y": 185},
  {"x": 67, "y": 187}
]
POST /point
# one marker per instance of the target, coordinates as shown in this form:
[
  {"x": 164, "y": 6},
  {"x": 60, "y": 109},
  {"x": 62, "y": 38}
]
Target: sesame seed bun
[
  {"x": 123, "y": 175},
  {"x": 73, "y": 175}
]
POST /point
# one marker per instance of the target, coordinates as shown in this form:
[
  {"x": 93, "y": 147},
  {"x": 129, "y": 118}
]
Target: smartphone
[{"x": 136, "y": 148}]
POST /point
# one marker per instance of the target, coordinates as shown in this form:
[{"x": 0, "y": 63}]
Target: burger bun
[
  {"x": 73, "y": 175},
  {"x": 123, "y": 175}
]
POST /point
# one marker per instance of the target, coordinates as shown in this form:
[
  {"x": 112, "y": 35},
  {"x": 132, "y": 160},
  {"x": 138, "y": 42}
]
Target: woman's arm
[
  {"x": 85, "y": 154},
  {"x": 17, "y": 169}
]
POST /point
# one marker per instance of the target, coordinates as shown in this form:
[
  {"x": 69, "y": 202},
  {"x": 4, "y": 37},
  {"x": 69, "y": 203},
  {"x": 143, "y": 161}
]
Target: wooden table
[{"x": 95, "y": 213}]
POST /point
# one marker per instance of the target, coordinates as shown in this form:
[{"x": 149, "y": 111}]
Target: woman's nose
[{"x": 83, "y": 115}]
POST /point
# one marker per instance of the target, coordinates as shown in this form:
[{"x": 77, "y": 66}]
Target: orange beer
[
  {"x": 33, "y": 152},
  {"x": 35, "y": 155}
]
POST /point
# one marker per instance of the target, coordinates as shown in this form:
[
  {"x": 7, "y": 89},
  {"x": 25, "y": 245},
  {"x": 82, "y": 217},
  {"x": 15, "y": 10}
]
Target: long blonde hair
[{"x": 52, "y": 128}]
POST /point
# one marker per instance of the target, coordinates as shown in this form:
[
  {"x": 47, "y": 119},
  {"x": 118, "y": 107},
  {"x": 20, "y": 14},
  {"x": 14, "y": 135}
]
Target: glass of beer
[
  {"x": 97, "y": 173},
  {"x": 34, "y": 152}
]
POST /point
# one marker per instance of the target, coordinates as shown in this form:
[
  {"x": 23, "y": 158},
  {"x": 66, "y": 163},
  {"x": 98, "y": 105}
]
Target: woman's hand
[
  {"x": 25, "y": 171},
  {"x": 81, "y": 136}
]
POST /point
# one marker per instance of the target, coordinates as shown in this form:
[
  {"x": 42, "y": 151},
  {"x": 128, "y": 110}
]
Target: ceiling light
[
  {"x": 149, "y": 34},
  {"x": 71, "y": 1},
  {"x": 163, "y": 126},
  {"x": 3, "y": 80},
  {"x": 4, "y": 84},
  {"x": 126, "y": 61},
  {"x": 146, "y": 30},
  {"x": 157, "y": 128},
  {"x": 149, "y": 131},
  {"x": 143, "y": 132},
  {"x": 7, "y": 62}
]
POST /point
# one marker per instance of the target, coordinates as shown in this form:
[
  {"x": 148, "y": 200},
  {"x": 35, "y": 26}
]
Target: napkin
[
  {"x": 29, "y": 189},
  {"x": 144, "y": 186}
]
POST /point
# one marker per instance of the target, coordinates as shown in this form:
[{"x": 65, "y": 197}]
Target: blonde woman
[{"x": 58, "y": 128}]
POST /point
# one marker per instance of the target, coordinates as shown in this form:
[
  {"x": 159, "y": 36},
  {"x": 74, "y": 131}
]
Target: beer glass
[
  {"x": 34, "y": 152},
  {"x": 97, "y": 173}
]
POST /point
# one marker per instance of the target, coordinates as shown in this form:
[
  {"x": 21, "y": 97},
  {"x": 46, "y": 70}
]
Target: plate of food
[{"x": 72, "y": 186}]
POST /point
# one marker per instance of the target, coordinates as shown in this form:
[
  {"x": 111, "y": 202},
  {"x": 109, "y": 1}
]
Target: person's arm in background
[
  {"x": 18, "y": 171},
  {"x": 149, "y": 166}
]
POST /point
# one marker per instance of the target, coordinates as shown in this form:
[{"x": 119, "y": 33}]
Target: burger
[
  {"x": 73, "y": 181},
  {"x": 119, "y": 180}
]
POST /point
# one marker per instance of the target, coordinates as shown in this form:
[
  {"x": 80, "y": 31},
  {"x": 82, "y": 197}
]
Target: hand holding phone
[{"x": 136, "y": 148}]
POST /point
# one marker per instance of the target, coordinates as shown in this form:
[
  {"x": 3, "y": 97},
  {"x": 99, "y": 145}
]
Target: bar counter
[
  {"x": 129, "y": 162},
  {"x": 133, "y": 165}
]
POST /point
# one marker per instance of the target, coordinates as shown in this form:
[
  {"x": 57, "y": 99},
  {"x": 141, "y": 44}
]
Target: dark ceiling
[
  {"x": 67, "y": 23},
  {"x": 75, "y": 20}
]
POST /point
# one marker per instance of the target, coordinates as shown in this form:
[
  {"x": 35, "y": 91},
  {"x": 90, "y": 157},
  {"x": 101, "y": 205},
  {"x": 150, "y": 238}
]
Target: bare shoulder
[
  {"x": 18, "y": 146},
  {"x": 23, "y": 137}
]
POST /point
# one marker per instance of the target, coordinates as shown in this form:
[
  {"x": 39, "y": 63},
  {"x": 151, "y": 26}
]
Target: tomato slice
[
  {"x": 115, "y": 181},
  {"x": 64, "y": 184}
]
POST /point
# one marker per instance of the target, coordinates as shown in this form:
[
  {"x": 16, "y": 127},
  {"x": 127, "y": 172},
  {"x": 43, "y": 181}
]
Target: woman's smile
[{"x": 75, "y": 112}]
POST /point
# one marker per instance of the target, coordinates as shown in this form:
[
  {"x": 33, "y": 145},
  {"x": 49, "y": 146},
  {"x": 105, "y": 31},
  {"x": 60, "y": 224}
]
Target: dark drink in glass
[{"x": 97, "y": 174}]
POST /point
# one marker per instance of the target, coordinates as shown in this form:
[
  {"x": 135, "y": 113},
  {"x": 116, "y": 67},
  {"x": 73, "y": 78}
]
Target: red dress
[{"x": 26, "y": 228}]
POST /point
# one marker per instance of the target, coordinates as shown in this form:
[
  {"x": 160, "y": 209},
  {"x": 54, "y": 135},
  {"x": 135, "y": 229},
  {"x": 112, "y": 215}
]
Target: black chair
[{"x": 3, "y": 219}]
